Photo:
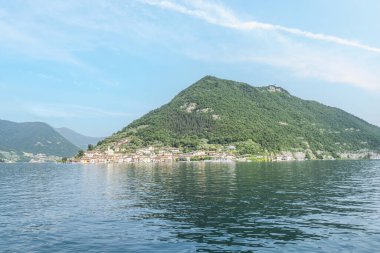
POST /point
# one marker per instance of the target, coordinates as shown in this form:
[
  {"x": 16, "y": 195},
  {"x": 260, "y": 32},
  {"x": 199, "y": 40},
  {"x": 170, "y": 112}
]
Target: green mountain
[
  {"x": 214, "y": 111},
  {"x": 77, "y": 139},
  {"x": 35, "y": 138}
]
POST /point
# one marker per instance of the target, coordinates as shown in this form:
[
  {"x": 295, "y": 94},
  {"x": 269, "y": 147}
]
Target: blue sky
[{"x": 96, "y": 65}]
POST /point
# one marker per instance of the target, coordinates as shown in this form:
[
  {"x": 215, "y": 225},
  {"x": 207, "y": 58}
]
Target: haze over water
[{"x": 319, "y": 206}]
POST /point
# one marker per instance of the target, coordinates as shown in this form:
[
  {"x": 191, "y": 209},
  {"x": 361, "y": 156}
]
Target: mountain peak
[
  {"x": 216, "y": 80},
  {"x": 213, "y": 79},
  {"x": 34, "y": 138},
  {"x": 224, "y": 112},
  {"x": 209, "y": 77}
]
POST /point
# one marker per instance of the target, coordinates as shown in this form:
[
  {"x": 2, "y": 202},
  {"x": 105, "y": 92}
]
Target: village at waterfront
[
  {"x": 172, "y": 154},
  {"x": 224, "y": 154}
]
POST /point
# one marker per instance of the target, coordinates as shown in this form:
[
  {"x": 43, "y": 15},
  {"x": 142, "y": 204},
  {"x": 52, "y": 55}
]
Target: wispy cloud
[
  {"x": 61, "y": 31},
  {"x": 303, "y": 58},
  {"x": 14, "y": 38},
  {"x": 219, "y": 15}
]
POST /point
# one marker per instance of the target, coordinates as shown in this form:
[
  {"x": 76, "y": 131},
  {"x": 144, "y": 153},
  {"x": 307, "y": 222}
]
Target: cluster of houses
[
  {"x": 41, "y": 158},
  {"x": 12, "y": 157},
  {"x": 154, "y": 155},
  {"x": 171, "y": 154},
  {"x": 151, "y": 155}
]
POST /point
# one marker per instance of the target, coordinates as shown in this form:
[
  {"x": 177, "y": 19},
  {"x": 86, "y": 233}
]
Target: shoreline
[
  {"x": 224, "y": 161},
  {"x": 203, "y": 161}
]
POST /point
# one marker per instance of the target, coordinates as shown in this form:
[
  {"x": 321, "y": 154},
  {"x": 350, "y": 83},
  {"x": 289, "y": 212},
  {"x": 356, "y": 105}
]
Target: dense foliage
[
  {"x": 255, "y": 119},
  {"x": 34, "y": 137}
]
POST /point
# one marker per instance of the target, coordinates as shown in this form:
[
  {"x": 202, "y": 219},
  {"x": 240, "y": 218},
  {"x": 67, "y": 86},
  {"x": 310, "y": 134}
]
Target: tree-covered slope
[
  {"x": 226, "y": 112},
  {"x": 34, "y": 137}
]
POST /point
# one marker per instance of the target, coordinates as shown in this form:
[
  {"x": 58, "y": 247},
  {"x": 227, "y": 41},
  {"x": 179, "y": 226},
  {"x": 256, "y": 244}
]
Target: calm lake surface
[{"x": 325, "y": 206}]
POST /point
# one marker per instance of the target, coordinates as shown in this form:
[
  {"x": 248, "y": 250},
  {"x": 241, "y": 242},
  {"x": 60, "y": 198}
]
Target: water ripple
[{"x": 191, "y": 207}]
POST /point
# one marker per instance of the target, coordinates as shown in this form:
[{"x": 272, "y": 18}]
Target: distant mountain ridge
[
  {"x": 264, "y": 119},
  {"x": 78, "y": 139},
  {"x": 35, "y": 138}
]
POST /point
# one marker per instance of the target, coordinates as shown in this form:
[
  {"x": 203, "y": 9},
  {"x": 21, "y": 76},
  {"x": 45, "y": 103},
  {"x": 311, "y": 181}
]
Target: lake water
[{"x": 325, "y": 206}]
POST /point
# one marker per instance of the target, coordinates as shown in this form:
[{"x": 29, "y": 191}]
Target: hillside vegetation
[
  {"x": 214, "y": 111},
  {"x": 35, "y": 138}
]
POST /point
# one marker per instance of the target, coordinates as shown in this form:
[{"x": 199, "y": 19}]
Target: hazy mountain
[
  {"x": 217, "y": 111},
  {"x": 78, "y": 139},
  {"x": 34, "y": 137}
]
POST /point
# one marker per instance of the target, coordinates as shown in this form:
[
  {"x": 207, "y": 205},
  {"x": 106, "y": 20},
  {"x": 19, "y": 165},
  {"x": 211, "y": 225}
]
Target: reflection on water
[{"x": 186, "y": 207}]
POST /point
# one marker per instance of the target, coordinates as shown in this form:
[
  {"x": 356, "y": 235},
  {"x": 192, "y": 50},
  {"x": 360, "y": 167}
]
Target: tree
[
  {"x": 90, "y": 147},
  {"x": 80, "y": 154},
  {"x": 248, "y": 147},
  {"x": 308, "y": 155}
]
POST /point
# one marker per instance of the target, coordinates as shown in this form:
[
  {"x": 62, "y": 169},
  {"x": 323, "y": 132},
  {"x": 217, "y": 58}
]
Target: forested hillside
[
  {"x": 217, "y": 111},
  {"x": 34, "y": 137}
]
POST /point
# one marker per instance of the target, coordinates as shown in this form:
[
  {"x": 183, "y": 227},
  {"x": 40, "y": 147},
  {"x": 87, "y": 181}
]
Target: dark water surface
[{"x": 189, "y": 207}]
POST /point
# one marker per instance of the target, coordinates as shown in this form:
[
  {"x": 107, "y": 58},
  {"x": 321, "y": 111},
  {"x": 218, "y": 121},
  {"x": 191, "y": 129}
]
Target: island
[{"x": 222, "y": 120}]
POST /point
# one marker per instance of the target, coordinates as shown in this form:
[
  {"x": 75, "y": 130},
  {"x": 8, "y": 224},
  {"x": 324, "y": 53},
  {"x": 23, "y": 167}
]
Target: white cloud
[
  {"x": 61, "y": 31},
  {"x": 332, "y": 68},
  {"x": 27, "y": 44},
  {"x": 219, "y": 15},
  {"x": 333, "y": 63}
]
